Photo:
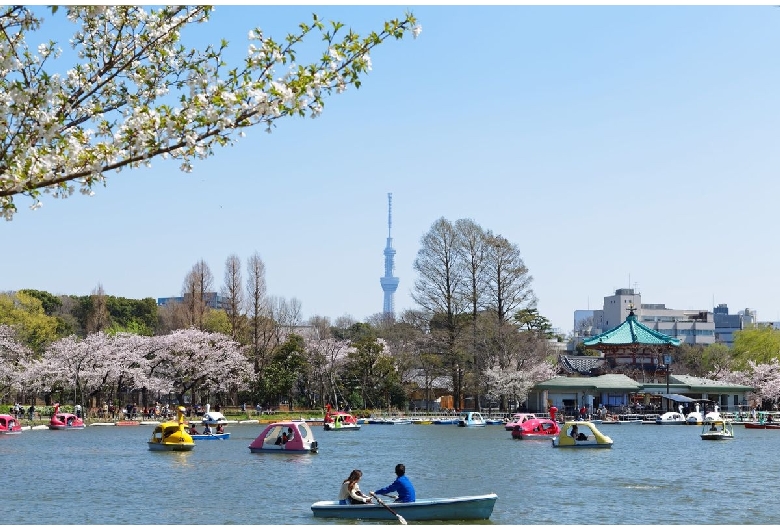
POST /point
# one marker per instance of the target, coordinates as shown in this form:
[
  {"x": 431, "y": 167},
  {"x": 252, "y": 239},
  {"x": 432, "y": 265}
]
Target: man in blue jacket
[{"x": 402, "y": 485}]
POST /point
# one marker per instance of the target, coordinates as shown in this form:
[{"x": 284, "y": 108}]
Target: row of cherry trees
[{"x": 205, "y": 366}]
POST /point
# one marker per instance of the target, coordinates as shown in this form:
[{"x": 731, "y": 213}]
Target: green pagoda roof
[{"x": 631, "y": 332}]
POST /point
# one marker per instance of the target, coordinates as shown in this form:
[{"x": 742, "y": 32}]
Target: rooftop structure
[
  {"x": 691, "y": 326},
  {"x": 633, "y": 343}
]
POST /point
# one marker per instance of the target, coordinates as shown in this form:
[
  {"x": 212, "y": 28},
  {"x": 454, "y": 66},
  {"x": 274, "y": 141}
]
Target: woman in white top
[{"x": 350, "y": 490}]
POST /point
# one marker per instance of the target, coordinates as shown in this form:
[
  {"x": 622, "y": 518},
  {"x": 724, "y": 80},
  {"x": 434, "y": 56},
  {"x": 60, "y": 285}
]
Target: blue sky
[{"x": 615, "y": 146}]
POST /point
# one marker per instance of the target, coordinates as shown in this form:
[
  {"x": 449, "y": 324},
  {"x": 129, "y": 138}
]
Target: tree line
[{"x": 484, "y": 340}]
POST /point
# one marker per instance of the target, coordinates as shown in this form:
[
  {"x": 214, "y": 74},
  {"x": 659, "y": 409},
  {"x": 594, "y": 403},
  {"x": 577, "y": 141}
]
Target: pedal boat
[
  {"x": 719, "y": 429},
  {"x": 340, "y": 421},
  {"x": 64, "y": 421},
  {"x": 172, "y": 435},
  {"x": 215, "y": 422},
  {"x": 537, "y": 429},
  {"x": 471, "y": 419},
  {"x": 518, "y": 419},
  {"x": 671, "y": 418},
  {"x": 594, "y": 439},
  {"x": 270, "y": 439},
  {"x": 9, "y": 425}
]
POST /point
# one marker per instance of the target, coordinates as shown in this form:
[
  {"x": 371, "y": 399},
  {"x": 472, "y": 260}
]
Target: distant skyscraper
[{"x": 388, "y": 281}]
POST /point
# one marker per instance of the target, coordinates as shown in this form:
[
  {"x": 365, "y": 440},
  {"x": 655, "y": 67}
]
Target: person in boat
[
  {"x": 337, "y": 422},
  {"x": 207, "y": 430},
  {"x": 193, "y": 430},
  {"x": 402, "y": 485},
  {"x": 220, "y": 429},
  {"x": 290, "y": 434},
  {"x": 350, "y": 490},
  {"x": 578, "y": 435}
]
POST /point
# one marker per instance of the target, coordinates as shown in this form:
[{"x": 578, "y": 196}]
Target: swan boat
[
  {"x": 64, "y": 421},
  {"x": 670, "y": 418},
  {"x": 213, "y": 426},
  {"x": 584, "y": 440},
  {"x": 475, "y": 507},
  {"x": 172, "y": 435},
  {"x": 274, "y": 439},
  {"x": 717, "y": 430},
  {"x": 9, "y": 424}
]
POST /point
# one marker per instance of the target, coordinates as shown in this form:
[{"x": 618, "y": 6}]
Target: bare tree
[
  {"x": 473, "y": 251},
  {"x": 439, "y": 290},
  {"x": 98, "y": 318},
  {"x": 508, "y": 282},
  {"x": 257, "y": 309},
  {"x": 232, "y": 292},
  {"x": 321, "y": 326},
  {"x": 344, "y": 322},
  {"x": 197, "y": 284},
  {"x": 172, "y": 316}
]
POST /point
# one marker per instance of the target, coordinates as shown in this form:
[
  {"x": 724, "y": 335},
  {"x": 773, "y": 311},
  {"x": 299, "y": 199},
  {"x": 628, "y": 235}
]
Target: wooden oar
[{"x": 398, "y": 515}]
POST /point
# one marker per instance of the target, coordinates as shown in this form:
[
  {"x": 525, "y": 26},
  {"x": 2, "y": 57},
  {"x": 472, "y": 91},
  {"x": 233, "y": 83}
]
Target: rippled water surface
[{"x": 652, "y": 475}]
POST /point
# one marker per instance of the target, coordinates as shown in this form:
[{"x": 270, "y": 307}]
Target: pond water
[{"x": 652, "y": 475}]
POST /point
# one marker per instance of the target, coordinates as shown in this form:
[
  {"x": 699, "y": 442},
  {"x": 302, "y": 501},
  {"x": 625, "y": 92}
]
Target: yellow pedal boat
[{"x": 172, "y": 435}]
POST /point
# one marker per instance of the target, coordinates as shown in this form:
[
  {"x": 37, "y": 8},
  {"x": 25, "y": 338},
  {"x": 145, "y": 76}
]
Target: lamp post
[{"x": 668, "y": 363}]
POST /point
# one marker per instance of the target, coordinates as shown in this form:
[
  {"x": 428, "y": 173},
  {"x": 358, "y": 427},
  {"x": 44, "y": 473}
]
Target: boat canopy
[{"x": 679, "y": 398}]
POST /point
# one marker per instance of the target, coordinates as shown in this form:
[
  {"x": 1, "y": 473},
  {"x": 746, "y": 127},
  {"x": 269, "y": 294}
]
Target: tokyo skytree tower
[{"x": 388, "y": 281}]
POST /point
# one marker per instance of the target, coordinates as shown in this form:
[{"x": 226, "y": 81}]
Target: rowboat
[
  {"x": 765, "y": 420},
  {"x": 436, "y": 509}
]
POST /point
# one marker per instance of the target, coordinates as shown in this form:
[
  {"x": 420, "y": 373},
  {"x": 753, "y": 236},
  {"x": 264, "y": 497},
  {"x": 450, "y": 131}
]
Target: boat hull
[
  {"x": 270, "y": 440},
  {"x": 282, "y": 451},
  {"x": 717, "y": 436},
  {"x": 524, "y": 436},
  {"x": 156, "y": 446},
  {"x": 65, "y": 427},
  {"x": 477, "y": 507},
  {"x": 221, "y": 436},
  {"x": 762, "y": 426},
  {"x": 597, "y": 440},
  {"x": 343, "y": 427}
]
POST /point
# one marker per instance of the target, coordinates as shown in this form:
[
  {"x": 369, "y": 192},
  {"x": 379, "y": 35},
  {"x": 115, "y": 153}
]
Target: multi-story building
[
  {"x": 726, "y": 325},
  {"x": 691, "y": 326},
  {"x": 212, "y": 300}
]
